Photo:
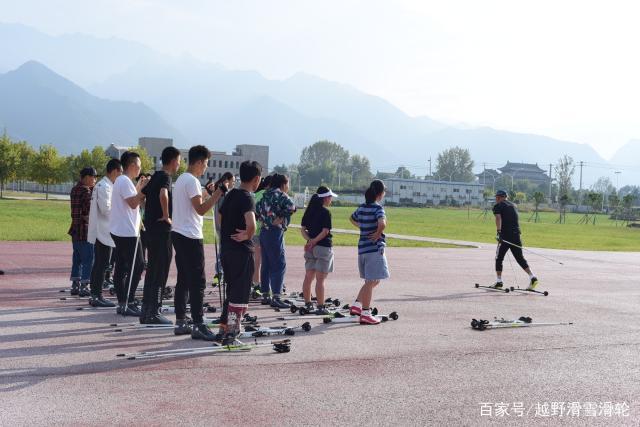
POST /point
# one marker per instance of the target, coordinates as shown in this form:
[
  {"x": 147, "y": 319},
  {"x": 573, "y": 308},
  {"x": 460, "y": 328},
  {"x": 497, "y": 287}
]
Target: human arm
[
  {"x": 203, "y": 206},
  {"x": 376, "y": 235},
  {"x": 136, "y": 199},
  {"x": 164, "y": 204},
  {"x": 249, "y": 231}
]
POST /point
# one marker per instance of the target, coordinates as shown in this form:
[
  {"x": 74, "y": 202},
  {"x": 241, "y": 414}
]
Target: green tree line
[{"x": 21, "y": 162}]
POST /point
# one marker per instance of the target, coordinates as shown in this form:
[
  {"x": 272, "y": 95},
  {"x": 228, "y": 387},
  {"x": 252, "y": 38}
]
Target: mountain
[
  {"x": 628, "y": 154},
  {"x": 219, "y": 107},
  {"x": 42, "y": 107},
  {"x": 83, "y": 59}
]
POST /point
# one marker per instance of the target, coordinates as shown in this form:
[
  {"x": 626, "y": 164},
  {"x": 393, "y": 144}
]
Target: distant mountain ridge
[
  {"x": 198, "y": 102},
  {"x": 42, "y": 107}
]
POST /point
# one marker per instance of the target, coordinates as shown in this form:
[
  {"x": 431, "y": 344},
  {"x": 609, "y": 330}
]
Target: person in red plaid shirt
[{"x": 82, "y": 249}]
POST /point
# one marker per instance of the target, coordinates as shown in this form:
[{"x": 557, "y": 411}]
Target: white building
[{"x": 433, "y": 193}]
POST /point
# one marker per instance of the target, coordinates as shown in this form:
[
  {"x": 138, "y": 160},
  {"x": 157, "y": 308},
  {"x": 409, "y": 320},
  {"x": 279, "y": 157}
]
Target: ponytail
[
  {"x": 375, "y": 189},
  {"x": 315, "y": 204}
]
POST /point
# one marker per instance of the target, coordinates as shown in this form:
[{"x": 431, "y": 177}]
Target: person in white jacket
[{"x": 98, "y": 233}]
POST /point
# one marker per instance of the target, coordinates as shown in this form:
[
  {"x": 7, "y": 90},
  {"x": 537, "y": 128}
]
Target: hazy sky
[{"x": 564, "y": 68}]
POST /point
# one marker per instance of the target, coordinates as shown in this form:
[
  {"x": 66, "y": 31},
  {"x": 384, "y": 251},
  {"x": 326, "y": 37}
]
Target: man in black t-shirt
[
  {"x": 238, "y": 225},
  {"x": 508, "y": 237},
  {"x": 157, "y": 223}
]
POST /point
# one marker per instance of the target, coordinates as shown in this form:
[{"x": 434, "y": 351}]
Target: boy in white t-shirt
[
  {"x": 124, "y": 226},
  {"x": 186, "y": 235}
]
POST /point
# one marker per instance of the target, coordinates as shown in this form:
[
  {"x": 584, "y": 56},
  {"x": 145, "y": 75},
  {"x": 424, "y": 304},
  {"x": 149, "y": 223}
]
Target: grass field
[{"x": 49, "y": 221}]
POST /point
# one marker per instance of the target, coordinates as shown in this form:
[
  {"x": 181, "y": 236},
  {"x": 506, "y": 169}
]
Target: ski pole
[
  {"x": 530, "y": 251},
  {"x": 133, "y": 264}
]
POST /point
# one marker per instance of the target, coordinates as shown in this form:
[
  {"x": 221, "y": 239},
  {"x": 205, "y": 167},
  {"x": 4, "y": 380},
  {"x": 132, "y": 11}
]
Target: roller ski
[
  {"x": 522, "y": 322},
  {"x": 279, "y": 346},
  {"x": 496, "y": 287},
  {"x": 332, "y": 314},
  {"x": 531, "y": 288},
  {"x": 364, "y": 318},
  {"x": 257, "y": 332}
]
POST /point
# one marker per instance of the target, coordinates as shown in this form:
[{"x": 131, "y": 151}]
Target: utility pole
[
  {"x": 429, "y": 166},
  {"x": 580, "y": 192},
  {"x": 484, "y": 174},
  {"x": 550, "y": 181}
]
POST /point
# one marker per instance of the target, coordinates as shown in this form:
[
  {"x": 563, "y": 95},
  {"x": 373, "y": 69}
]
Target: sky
[{"x": 567, "y": 69}]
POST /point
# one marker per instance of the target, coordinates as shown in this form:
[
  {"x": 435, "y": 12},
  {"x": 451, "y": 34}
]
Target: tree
[
  {"x": 25, "y": 155},
  {"x": 8, "y": 161},
  {"x": 404, "y": 173},
  {"x": 360, "y": 171},
  {"x": 281, "y": 169},
  {"x": 520, "y": 197},
  {"x": 323, "y": 162},
  {"x": 145, "y": 160},
  {"x": 97, "y": 158},
  {"x": 538, "y": 198},
  {"x": 564, "y": 174},
  {"x": 603, "y": 186},
  {"x": 455, "y": 164},
  {"x": 48, "y": 167}
]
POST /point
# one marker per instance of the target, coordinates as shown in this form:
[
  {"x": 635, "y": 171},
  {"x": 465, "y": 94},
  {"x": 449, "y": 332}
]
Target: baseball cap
[
  {"x": 88, "y": 171},
  {"x": 501, "y": 193}
]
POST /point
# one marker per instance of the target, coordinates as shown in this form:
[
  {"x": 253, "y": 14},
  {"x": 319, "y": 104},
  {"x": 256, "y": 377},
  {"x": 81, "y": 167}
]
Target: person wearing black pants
[
  {"x": 186, "y": 234},
  {"x": 238, "y": 226},
  {"x": 508, "y": 237},
  {"x": 124, "y": 225},
  {"x": 98, "y": 233},
  {"x": 192, "y": 280},
  {"x": 157, "y": 223}
]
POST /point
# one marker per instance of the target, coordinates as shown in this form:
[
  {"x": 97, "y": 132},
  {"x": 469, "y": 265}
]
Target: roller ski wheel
[
  {"x": 289, "y": 331},
  {"x": 303, "y": 311},
  {"x": 112, "y": 291},
  {"x": 293, "y": 309},
  {"x": 306, "y": 326},
  {"x": 282, "y": 347}
]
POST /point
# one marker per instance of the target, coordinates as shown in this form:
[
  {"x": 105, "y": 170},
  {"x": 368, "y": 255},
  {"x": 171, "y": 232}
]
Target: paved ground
[{"x": 58, "y": 365}]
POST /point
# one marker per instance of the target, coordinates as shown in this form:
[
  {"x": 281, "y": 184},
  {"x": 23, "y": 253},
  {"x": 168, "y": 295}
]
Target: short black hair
[
  {"x": 128, "y": 158},
  {"x": 168, "y": 154},
  {"x": 249, "y": 170},
  {"x": 197, "y": 153},
  {"x": 226, "y": 176},
  {"x": 113, "y": 164}
]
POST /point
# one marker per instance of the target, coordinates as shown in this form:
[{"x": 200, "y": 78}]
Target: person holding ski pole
[
  {"x": 371, "y": 219},
  {"x": 238, "y": 224},
  {"x": 318, "y": 252},
  {"x": 508, "y": 237},
  {"x": 186, "y": 235},
  {"x": 124, "y": 226},
  {"x": 274, "y": 212},
  {"x": 98, "y": 233}
]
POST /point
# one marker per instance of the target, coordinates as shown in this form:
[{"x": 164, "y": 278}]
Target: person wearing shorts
[
  {"x": 318, "y": 252},
  {"x": 370, "y": 218}
]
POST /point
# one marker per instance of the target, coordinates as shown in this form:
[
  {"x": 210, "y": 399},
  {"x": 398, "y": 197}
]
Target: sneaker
[
  {"x": 84, "y": 290},
  {"x": 321, "y": 311},
  {"x": 202, "y": 332},
  {"x": 497, "y": 285},
  {"x": 75, "y": 288},
  {"x": 265, "y": 300},
  {"x": 134, "y": 309},
  {"x": 129, "y": 310},
  {"x": 182, "y": 327},
  {"x": 277, "y": 303},
  {"x": 99, "y": 301},
  {"x": 533, "y": 283},
  {"x": 366, "y": 318},
  {"x": 155, "y": 319},
  {"x": 355, "y": 310}
]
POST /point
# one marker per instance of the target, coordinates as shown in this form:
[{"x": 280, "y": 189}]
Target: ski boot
[
  {"x": 497, "y": 285},
  {"x": 321, "y": 310},
  {"x": 276, "y": 302},
  {"x": 533, "y": 283},
  {"x": 202, "y": 332}
]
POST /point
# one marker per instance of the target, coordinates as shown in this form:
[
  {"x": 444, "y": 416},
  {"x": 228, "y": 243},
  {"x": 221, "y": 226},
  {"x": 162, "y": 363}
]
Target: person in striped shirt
[{"x": 370, "y": 218}]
